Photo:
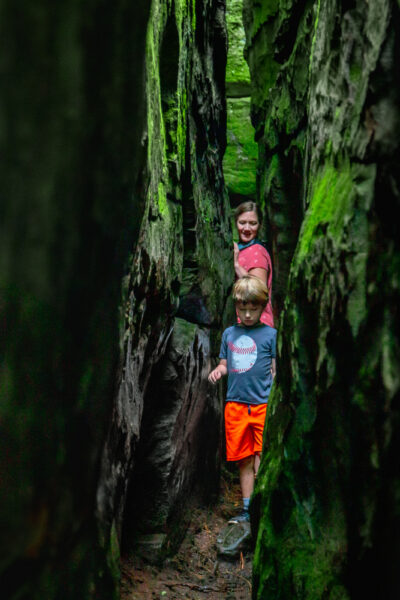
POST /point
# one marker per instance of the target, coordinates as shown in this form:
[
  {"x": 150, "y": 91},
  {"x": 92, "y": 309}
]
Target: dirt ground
[{"x": 195, "y": 572}]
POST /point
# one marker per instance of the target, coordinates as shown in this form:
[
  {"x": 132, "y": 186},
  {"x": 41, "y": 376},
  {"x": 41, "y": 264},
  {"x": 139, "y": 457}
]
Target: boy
[{"x": 247, "y": 356}]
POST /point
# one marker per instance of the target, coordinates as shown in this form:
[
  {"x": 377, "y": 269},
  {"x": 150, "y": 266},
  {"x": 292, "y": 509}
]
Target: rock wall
[
  {"x": 181, "y": 268},
  {"x": 325, "y": 105},
  {"x": 73, "y": 80},
  {"x": 113, "y": 132},
  {"x": 240, "y": 157}
]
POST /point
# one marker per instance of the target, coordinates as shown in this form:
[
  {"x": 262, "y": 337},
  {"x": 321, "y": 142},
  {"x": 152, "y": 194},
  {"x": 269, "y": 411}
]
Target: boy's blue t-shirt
[{"x": 249, "y": 352}]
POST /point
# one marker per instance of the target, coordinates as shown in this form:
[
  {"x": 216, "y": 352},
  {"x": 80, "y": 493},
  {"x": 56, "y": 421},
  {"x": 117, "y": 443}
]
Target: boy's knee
[{"x": 247, "y": 461}]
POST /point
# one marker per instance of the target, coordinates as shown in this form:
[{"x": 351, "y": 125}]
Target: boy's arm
[
  {"x": 273, "y": 353},
  {"x": 219, "y": 371},
  {"x": 273, "y": 368}
]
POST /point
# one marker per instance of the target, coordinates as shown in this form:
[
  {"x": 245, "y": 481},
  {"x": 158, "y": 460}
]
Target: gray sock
[{"x": 246, "y": 503}]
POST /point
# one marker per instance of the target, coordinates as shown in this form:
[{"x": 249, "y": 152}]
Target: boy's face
[{"x": 249, "y": 313}]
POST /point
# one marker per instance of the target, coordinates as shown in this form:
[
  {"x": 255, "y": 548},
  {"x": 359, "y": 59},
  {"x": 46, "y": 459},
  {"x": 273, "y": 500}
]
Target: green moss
[
  {"x": 183, "y": 335},
  {"x": 193, "y": 3},
  {"x": 330, "y": 196},
  {"x": 162, "y": 199},
  {"x": 272, "y": 170},
  {"x": 328, "y": 148},
  {"x": 155, "y": 124},
  {"x": 181, "y": 126},
  {"x": 314, "y": 37},
  {"x": 237, "y": 69},
  {"x": 364, "y": 177},
  {"x": 356, "y": 305},
  {"x": 280, "y": 89},
  {"x": 240, "y": 157},
  {"x": 113, "y": 554},
  {"x": 262, "y": 11},
  {"x": 306, "y": 558},
  {"x": 355, "y": 73},
  {"x": 390, "y": 358},
  {"x": 241, "y": 154},
  {"x": 306, "y": 413}
]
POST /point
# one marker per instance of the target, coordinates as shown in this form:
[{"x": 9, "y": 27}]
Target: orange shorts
[{"x": 244, "y": 426}]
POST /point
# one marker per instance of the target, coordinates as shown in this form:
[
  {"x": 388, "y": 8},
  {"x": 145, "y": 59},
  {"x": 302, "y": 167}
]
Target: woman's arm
[
  {"x": 239, "y": 270},
  {"x": 260, "y": 273}
]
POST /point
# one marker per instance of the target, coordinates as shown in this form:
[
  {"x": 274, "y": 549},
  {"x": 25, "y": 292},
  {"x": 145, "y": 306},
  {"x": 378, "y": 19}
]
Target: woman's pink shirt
[{"x": 253, "y": 257}]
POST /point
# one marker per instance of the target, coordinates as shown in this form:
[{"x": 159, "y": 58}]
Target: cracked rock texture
[
  {"x": 240, "y": 157},
  {"x": 175, "y": 292},
  {"x": 113, "y": 136},
  {"x": 71, "y": 110},
  {"x": 325, "y": 106}
]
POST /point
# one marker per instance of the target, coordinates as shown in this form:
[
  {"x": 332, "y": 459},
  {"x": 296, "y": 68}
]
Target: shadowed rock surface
[
  {"x": 116, "y": 264},
  {"x": 113, "y": 132},
  {"x": 165, "y": 430},
  {"x": 325, "y": 104},
  {"x": 73, "y": 78},
  {"x": 179, "y": 440},
  {"x": 240, "y": 158}
]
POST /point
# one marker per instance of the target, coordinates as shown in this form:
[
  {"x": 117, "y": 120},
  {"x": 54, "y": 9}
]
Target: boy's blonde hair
[{"x": 250, "y": 289}]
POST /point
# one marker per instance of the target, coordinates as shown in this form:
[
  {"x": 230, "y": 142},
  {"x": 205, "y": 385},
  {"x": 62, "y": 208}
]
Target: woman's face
[{"x": 247, "y": 226}]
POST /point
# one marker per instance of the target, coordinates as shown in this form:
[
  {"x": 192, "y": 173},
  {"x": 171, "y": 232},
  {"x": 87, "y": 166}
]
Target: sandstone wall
[
  {"x": 325, "y": 105},
  {"x": 240, "y": 157},
  {"x": 72, "y": 81},
  {"x": 113, "y": 132},
  {"x": 181, "y": 266}
]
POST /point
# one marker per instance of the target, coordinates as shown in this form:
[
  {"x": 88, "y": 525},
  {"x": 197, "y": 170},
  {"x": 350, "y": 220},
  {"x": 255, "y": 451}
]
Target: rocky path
[{"x": 195, "y": 572}]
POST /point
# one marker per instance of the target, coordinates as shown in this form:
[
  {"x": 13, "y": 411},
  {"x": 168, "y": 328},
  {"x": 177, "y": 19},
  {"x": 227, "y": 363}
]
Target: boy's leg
[
  {"x": 257, "y": 460},
  {"x": 246, "y": 475},
  {"x": 239, "y": 442},
  {"x": 258, "y": 424}
]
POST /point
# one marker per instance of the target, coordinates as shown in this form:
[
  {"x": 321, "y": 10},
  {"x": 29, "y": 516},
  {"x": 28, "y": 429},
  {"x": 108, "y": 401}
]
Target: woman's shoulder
[
  {"x": 261, "y": 247},
  {"x": 255, "y": 247},
  {"x": 256, "y": 252}
]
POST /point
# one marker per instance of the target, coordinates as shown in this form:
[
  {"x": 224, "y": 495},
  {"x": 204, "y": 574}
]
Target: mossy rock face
[
  {"x": 240, "y": 159},
  {"x": 176, "y": 288},
  {"x": 72, "y": 116},
  {"x": 325, "y": 87},
  {"x": 237, "y": 70},
  {"x": 113, "y": 173}
]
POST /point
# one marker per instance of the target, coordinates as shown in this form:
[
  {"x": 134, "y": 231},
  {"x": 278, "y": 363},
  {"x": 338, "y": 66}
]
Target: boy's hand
[{"x": 217, "y": 373}]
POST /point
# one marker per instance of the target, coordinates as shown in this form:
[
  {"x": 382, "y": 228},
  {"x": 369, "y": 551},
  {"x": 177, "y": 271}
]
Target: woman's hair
[
  {"x": 249, "y": 206},
  {"x": 250, "y": 289}
]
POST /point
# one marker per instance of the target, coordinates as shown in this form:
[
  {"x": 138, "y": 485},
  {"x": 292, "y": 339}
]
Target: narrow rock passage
[{"x": 196, "y": 571}]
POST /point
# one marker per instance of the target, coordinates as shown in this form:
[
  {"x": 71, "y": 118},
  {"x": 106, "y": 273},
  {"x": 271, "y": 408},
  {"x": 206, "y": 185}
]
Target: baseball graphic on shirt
[{"x": 244, "y": 354}]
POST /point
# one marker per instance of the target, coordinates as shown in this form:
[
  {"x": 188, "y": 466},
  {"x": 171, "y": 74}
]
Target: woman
[{"x": 250, "y": 256}]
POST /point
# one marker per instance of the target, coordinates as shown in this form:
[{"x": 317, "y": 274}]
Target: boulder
[{"x": 234, "y": 539}]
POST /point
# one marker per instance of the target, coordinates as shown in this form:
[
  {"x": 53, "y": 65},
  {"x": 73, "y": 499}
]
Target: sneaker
[{"x": 244, "y": 516}]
